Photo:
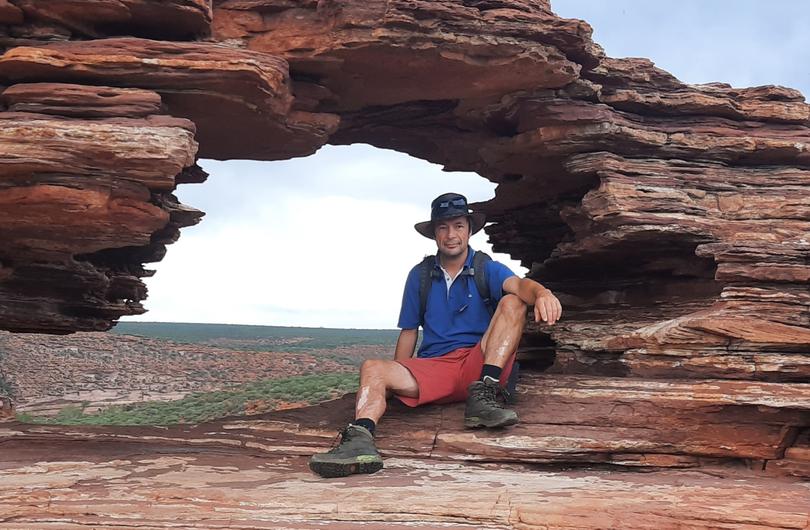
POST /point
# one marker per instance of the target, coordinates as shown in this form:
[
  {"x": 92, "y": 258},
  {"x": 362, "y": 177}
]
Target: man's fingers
[
  {"x": 547, "y": 308},
  {"x": 543, "y": 310},
  {"x": 552, "y": 311}
]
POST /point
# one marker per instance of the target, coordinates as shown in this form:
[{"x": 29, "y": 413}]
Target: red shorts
[{"x": 445, "y": 379}]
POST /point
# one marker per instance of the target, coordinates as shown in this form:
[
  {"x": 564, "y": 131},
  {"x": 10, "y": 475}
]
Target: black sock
[
  {"x": 367, "y": 423},
  {"x": 491, "y": 371}
]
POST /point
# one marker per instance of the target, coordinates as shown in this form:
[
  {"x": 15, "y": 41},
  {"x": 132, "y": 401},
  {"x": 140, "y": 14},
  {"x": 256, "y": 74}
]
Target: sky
[{"x": 327, "y": 240}]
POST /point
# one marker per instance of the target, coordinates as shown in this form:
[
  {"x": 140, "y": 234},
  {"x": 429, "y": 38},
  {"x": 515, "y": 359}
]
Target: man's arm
[
  {"x": 546, "y": 306},
  {"x": 406, "y": 344}
]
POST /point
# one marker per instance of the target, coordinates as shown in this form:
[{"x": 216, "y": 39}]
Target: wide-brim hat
[{"x": 448, "y": 206}]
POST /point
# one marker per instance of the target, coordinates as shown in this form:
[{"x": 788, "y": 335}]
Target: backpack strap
[
  {"x": 427, "y": 269},
  {"x": 479, "y": 275}
]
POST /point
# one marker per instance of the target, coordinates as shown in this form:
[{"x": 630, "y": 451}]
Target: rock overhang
[
  {"x": 597, "y": 159},
  {"x": 672, "y": 219}
]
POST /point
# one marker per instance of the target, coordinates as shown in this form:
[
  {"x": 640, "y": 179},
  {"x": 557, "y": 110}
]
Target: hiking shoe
[
  {"x": 484, "y": 409},
  {"x": 355, "y": 453}
]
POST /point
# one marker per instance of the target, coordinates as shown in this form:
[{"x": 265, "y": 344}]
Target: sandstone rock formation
[
  {"x": 251, "y": 473},
  {"x": 672, "y": 220}
]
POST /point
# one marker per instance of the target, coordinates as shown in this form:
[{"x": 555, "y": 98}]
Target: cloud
[
  {"x": 740, "y": 42},
  {"x": 321, "y": 241}
]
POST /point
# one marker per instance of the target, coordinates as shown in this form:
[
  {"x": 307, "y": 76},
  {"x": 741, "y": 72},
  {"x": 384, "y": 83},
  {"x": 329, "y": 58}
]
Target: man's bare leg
[
  {"x": 379, "y": 379},
  {"x": 356, "y": 452},
  {"x": 499, "y": 345},
  {"x": 501, "y": 339}
]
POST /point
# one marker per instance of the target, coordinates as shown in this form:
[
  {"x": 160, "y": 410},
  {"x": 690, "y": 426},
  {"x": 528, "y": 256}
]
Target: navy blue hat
[{"x": 448, "y": 206}]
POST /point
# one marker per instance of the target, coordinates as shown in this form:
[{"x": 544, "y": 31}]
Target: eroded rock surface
[
  {"x": 76, "y": 19},
  {"x": 671, "y": 219},
  {"x": 252, "y": 472}
]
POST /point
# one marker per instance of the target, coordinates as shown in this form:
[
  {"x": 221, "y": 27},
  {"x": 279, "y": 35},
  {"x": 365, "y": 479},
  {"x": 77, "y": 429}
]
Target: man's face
[{"x": 452, "y": 235}]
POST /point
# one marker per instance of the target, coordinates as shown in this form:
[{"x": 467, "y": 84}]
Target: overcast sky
[{"x": 327, "y": 240}]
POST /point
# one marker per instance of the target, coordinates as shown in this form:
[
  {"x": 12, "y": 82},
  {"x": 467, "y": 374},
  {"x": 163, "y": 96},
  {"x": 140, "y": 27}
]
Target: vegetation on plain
[
  {"x": 260, "y": 338},
  {"x": 207, "y": 406}
]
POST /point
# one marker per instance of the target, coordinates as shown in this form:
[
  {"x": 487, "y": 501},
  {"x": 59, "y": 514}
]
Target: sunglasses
[{"x": 454, "y": 202}]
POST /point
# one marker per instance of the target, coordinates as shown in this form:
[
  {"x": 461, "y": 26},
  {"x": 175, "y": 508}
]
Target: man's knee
[
  {"x": 390, "y": 374},
  {"x": 371, "y": 366},
  {"x": 513, "y": 306},
  {"x": 375, "y": 369}
]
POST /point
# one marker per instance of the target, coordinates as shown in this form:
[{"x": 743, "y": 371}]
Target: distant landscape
[{"x": 144, "y": 373}]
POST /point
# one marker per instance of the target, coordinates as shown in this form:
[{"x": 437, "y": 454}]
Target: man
[{"x": 466, "y": 353}]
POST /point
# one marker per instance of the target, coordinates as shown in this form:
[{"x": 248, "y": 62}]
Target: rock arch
[{"x": 673, "y": 219}]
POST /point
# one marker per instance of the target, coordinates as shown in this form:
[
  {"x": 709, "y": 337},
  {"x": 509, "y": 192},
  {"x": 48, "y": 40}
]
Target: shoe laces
[
  {"x": 490, "y": 393},
  {"x": 344, "y": 435}
]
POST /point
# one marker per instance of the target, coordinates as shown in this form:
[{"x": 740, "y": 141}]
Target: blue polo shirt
[{"x": 454, "y": 319}]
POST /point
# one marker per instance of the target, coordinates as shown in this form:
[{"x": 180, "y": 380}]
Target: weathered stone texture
[
  {"x": 83, "y": 170},
  {"x": 229, "y": 490},
  {"x": 254, "y": 469},
  {"x": 208, "y": 83},
  {"x": 63, "y": 19},
  {"x": 672, "y": 220}
]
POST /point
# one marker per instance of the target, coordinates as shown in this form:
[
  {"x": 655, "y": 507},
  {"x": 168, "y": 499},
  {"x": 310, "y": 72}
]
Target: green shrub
[{"x": 206, "y": 406}]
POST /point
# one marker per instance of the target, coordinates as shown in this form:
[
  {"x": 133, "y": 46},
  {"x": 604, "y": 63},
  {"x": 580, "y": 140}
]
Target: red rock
[
  {"x": 170, "y": 19},
  {"x": 370, "y": 53},
  {"x": 9, "y": 13},
  {"x": 206, "y": 82},
  {"x": 670, "y": 219},
  {"x": 636, "y": 85},
  {"x": 81, "y": 100},
  {"x": 149, "y": 151},
  {"x": 434, "y": 451},
  {"x": 153, "y": 489},
  {"x": 564, "y": 421}
]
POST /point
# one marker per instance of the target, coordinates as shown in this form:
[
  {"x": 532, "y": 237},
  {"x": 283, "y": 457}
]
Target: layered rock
[
  {"x": 672, "y": 220},
  {"x": 75, "y": 19},
  {"x": 370, "y": 53},
  {"x": 253, "y": 471},
  {"x": 154, "y": 489},
  {"x": 565, "y": 420},
  {"x": 85, "y": 169},
  {"x": 241, "y": 102}
]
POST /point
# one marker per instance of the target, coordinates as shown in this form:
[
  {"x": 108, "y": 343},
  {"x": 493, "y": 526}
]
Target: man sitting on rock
[{"x": 466, "y": 353}]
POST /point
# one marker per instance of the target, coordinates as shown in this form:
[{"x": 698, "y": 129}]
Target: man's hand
[{"x": 547, "y": 307}]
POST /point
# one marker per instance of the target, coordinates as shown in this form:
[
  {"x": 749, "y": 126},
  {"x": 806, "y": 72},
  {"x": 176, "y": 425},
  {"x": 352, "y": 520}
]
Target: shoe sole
[
  {"x": 475, "y": 421},
  {"x": 344, "y": 468}
]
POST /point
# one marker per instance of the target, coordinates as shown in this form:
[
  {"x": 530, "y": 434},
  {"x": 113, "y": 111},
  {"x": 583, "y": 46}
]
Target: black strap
[
  {"x": 479, "y": 275},
  {"x": 427, "y": 271}
]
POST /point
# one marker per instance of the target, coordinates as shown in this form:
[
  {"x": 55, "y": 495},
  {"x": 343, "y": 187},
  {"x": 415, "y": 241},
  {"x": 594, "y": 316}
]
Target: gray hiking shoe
[
  {"x": 355, "y": 453},
  {"x": 484, "y": 409}
]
